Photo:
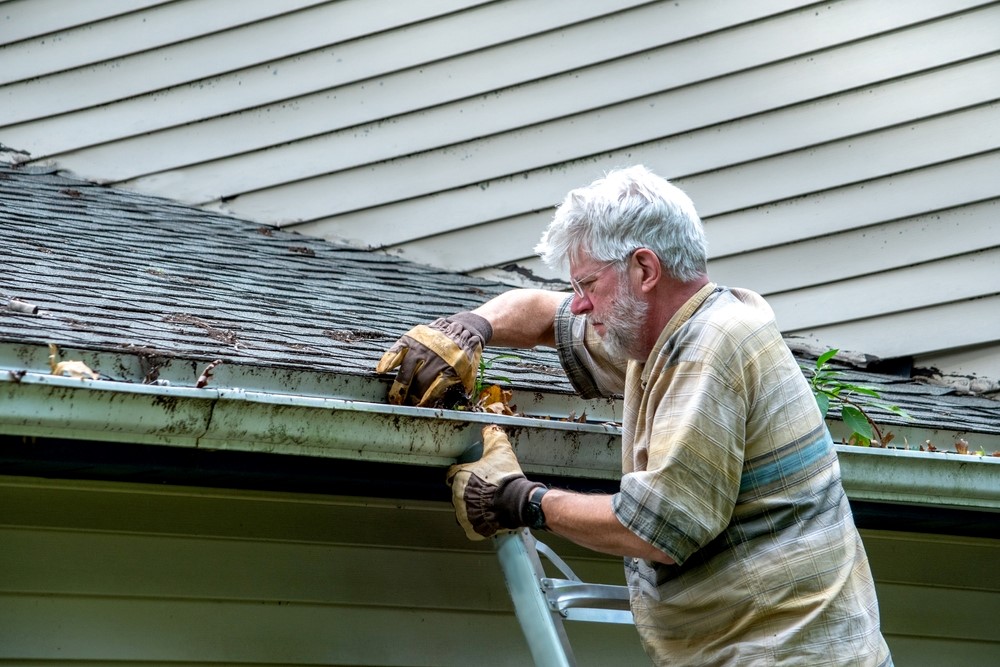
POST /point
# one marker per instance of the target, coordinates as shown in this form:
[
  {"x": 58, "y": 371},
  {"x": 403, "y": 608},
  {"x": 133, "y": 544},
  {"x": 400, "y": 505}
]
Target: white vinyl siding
[{"x": 843, "y": 154}]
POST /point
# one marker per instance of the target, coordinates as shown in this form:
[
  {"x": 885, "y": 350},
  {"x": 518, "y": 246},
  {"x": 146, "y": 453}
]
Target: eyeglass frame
[{"x": 578, "y": 283}]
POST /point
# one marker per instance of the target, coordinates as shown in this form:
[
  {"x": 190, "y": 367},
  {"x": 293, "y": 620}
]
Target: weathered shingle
[
  {"x": 117, "y": 271},
  {"x": 111, "y": 270}
]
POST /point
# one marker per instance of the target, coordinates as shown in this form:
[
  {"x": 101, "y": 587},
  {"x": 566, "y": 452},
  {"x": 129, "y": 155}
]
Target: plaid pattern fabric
[{"x": 730, "y": 470}]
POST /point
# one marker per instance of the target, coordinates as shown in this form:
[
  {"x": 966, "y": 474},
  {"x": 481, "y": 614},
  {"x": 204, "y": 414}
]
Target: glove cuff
[
  {"x": 475, "y": 323},
  {"x": 512, "y": 504}
]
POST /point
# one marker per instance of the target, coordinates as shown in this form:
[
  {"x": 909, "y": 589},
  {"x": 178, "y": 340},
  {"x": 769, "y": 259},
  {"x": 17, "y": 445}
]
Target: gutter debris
[
  {"x": 71, "y": 368},
  {"x": 495, "y": 403},
  {"x": 23, "y": 307},
  {"x": 206, "y": 374}
]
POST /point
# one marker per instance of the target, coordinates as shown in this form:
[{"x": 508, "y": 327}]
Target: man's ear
[{"x": 645, "y": 262}]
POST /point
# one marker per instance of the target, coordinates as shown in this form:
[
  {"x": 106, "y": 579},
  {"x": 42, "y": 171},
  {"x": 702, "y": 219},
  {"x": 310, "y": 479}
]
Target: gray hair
[{"x": 628, "y": 209}]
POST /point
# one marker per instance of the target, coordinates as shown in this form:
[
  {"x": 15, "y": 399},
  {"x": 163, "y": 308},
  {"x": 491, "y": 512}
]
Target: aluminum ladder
[{"x": 542, "y": 603}]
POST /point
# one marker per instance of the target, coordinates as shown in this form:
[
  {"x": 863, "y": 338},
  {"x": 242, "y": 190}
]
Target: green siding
[
  {"x": 149, "y": 575},
  {"x": 141, "y": 575}
]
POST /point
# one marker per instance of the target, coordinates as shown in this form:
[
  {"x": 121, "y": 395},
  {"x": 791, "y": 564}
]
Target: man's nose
[{"x": 580, "y": 305}]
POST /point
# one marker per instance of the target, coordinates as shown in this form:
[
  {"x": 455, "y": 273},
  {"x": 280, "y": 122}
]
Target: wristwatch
[{"x": 536, "y": 517}]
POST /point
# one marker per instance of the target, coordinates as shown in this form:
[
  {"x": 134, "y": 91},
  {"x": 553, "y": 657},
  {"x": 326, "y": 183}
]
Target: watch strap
[{"x": 535, "y": 501}]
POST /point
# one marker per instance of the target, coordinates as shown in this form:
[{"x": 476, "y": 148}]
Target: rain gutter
[
  {"x": 42, "y": 405},
  {"x": 34, "y": 404}
]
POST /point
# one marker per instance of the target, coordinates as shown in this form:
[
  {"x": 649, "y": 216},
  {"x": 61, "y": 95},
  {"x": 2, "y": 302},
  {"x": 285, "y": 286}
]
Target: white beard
[{"x": 623, "y": 324}]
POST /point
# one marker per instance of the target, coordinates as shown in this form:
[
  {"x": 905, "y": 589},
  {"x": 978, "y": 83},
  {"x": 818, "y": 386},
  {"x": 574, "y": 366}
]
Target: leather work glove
[
  {"x": 491, "y": 494},
  {"x": 431, "y": 358}
]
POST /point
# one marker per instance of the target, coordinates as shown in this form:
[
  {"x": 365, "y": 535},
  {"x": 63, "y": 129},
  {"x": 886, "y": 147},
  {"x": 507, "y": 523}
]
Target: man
[{"x": 739, "y": 544}]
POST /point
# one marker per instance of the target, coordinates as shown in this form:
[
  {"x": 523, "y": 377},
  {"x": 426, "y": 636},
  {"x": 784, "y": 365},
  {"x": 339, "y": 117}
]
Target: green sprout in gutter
[
  {"x": 486, "y": 394},
  {"x": 854, "y": 401},
  {"x": 485, "y": 366}
]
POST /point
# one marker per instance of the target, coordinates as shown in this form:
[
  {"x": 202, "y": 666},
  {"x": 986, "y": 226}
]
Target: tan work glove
[
  {"x": 491, "y": 494},
  {"x": 431, "y": 358}
]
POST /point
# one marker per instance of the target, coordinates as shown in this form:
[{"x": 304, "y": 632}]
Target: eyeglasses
[{"x": 580, "y": 284}]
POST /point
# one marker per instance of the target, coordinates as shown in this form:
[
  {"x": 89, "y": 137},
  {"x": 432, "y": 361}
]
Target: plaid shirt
[{"x": 729, "y": 469}]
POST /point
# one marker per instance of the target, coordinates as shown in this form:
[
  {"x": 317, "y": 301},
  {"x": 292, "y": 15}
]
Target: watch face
[{"x": 534, "y": 515}]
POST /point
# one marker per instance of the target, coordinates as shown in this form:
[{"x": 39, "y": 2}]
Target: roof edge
[{"x": 43, "y": 405}]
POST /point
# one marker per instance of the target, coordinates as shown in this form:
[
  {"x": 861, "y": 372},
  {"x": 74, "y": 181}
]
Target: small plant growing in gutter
[
  {"x": 486, "y": 366},
  {"x": 854, "y": 401},
  {"x": 487, "y": 395}
]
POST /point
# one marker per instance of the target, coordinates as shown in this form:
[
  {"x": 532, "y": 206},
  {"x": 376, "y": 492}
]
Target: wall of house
[
  {"x": 842, "y": 153},
  {"x": 142, "y": 574},
  {"x": 151, "y": 575}
]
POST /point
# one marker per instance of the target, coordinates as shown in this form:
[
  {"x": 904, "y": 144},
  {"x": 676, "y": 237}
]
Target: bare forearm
[
  {"x": 522, "y": 318},
  {"x": 589, "y": 521}
]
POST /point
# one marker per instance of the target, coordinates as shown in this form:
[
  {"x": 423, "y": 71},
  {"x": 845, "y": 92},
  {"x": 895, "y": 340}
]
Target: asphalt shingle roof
[
  {"x": 122, "y": 272},
  {"x": 117, "y": 271}
]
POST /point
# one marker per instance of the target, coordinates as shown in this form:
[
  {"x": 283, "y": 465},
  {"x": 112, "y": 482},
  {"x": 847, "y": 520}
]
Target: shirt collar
[{"x": 682, "y": 315}]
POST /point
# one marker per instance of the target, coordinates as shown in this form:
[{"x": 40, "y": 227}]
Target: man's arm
[
  {"x": 589, "y": 521},
  {"x": 522, "y": 318},
  {"x": 492, "y": 494}
]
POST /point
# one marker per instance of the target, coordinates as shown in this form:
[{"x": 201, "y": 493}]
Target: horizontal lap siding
[
  {"x": 148, "y": 575},
  {"x": 26, "y": 19},
  {"x": 154, "y": 574},
  {"x": 932, "y": 595},
  {"x": 843, "y": 154}
]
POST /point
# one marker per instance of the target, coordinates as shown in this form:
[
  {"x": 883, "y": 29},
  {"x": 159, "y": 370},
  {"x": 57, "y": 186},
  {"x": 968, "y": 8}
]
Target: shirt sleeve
[
  {"x": 685, "y": 495},
  {"x": 588, "y": 366}
]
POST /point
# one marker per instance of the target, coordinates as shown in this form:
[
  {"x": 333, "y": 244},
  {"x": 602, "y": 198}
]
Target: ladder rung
[
  {"x": 620, "y": 616},
  {"x": 542, "y": 603},
  {"x": 580, "y": 601}
]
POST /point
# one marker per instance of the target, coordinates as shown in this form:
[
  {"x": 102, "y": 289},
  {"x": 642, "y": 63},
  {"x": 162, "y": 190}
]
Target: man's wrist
[
  {"x": 474, "y": 323},
  {"x": 535, "y": 514},
  {"x": 512, "y": 503}
]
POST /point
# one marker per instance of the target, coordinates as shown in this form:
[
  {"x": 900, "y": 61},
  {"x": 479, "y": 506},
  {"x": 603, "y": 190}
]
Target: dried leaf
[
  {"x": 74, "y": 369},
  {"x": 491, "y": 394},
  {"x": 496, "y": 400},
  {"x": 962, "y": 446},
  {"x": 203, "y": 379}
]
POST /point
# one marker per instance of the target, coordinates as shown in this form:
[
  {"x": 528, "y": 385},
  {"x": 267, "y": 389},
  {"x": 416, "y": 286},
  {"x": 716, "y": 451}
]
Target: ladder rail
[
  {"x": 542, "y": 603},
  {"x": 542, "y": 628}
]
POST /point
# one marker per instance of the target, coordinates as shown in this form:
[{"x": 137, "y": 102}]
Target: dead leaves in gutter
[
  {"x": 207, "y": 374},
  {"x": 961, "y": 447},
  {"x": 70, "y": 368},
  {"x": 497, "y": 400},
  {"x": 492, "y": 399}
]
